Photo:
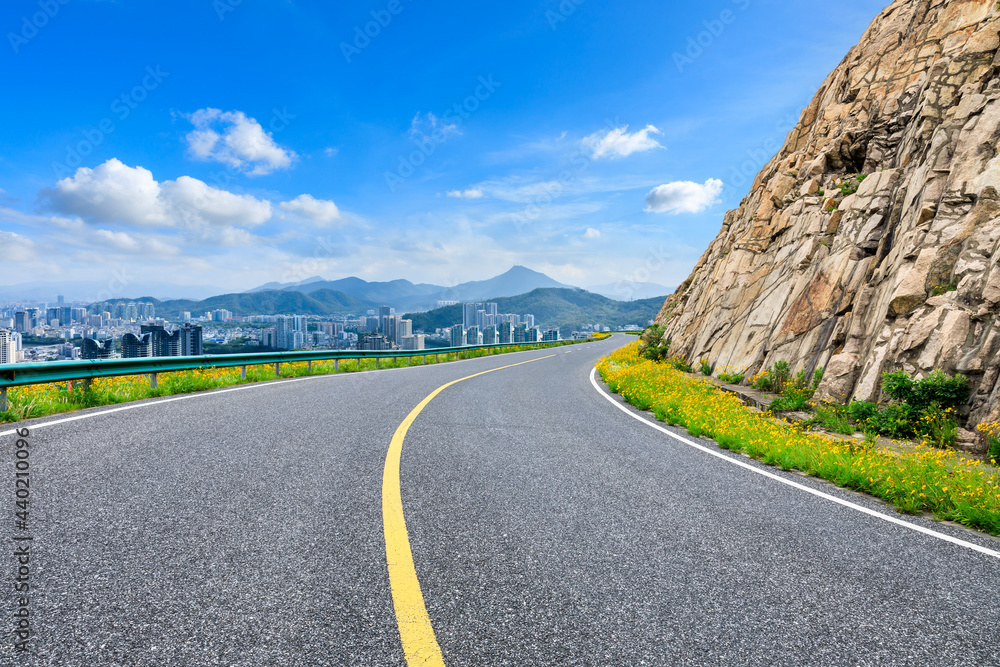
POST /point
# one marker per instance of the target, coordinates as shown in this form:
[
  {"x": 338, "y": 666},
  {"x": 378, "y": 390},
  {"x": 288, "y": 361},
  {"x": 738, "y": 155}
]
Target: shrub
[
  {"x": 730, "y": 378},
  {"x": 834, "y": 417},
  {"x": 794, "y": 398},
  {"x": 938, "y": 426},
  {"x": 992, "y": 434},
  {"x": 861, "y": 412},
  {"x": 651, "y": 343},
  {"x": 705, "y": 367},
  {"x": 937, "y": 389}
]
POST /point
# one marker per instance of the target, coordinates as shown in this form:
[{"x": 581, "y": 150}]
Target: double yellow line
[{"x": 415, "y": 630}]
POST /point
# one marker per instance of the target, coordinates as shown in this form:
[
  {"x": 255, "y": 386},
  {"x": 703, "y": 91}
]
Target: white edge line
[
  {"x": 145, "y": 403},
  {"x": 801, "y": 487}
]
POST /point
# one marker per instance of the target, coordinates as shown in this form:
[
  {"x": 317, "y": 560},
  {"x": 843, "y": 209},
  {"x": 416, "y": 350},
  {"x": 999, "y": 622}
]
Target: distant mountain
[
  {"x": 404, "y": 295},
  {"x": 565, "y": 308},
  {"x": 628, "y": 290},
  {"x": 321, "y": 302},
  {"x": 518, "y": 280}
]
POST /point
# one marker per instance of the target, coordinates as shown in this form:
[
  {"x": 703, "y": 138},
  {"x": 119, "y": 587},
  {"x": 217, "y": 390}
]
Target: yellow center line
[{"x": 415, "y": 631}]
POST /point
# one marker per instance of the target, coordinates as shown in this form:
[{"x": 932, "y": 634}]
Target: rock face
[{"x": 870, "y": 241}]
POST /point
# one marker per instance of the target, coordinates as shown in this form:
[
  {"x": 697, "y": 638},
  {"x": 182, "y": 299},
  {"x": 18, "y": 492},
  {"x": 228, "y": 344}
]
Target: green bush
[
  {"x": 652, "y": 346},
  {"x": 705, "y": 367},
  {"x": 731, "y": 378},
  {"x": 794, "y": 398},
  {"x": 861, "y": 412},
  {"x": 834, "y": 418},
  {"x": 937, "y": 389}
]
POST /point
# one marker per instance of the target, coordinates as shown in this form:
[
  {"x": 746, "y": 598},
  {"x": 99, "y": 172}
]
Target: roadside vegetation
[
  {"x": 42, "y": 400},
  {"x": 913, "y": 477}
]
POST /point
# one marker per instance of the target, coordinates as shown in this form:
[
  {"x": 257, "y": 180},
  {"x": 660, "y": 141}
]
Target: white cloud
[
  {"x": 236, "y": 140},
  {"x": 473, "y": 193},
  {"x": 592, "y": 233},
  {"x": 619, "y": 143},
  {"x": 331, "y": 152},
  {"x": 429, "y": 125},
  {"x": 318, "y": 210},
  {"x": 17, "y": 248},
  {"x": 683, "y": 197},
  {"x": 116, "y": 193}
]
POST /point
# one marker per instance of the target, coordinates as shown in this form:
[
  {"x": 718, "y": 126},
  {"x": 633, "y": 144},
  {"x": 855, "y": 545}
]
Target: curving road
[{"x": 547, "y": 527}]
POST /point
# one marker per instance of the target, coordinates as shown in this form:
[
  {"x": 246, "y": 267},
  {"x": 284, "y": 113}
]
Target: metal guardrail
[{"x": 22, "y": 375}]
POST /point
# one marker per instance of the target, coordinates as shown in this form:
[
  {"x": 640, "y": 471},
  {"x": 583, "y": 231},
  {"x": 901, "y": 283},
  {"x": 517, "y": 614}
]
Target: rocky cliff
[{"x": 870, "y": 241}]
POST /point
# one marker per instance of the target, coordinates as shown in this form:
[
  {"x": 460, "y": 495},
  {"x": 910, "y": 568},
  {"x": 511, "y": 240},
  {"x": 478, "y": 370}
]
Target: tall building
[
  {"x": 22, "y": 322},
  {"x": 470, "y": 315},
  {"x": 131, "y": 312},
  {"x": 191, "y": 341},
  {"x": 8, "y": 349},
  {"x": 373, "y": 342},
  {"x": 472, "y": 336},
  {"x": 491, "y": 336},
  {"x": 506, "y": 333},
  {"x": 93, "y": 349},
  {"x": 415, "y": 342},
  {"x": 521, "y": 333},
  {"x": 137, "y": 347},
  {"x": 529, "y": 320},
  {"x": 550, "y": 336},
  {"x": 492, "y": 315},
  {"x": 404, "y": 328},
  {"x": 457, "y": 336}
]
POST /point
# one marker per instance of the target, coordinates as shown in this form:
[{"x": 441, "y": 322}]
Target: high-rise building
[
  {"x": 404, "y": 328},
  {"x": 506, "y": 333},
  {"x": 162, "y": 343},
  {"x": 8, "y": 350},
  {"x": 533, "y": 335},
  {"x": 137, "y": 347},
  {"x": 491, "y": 336},
  {"x": 470, "y": 312},
  {"x": 22, "y": 322},
  {"x": 373, "y": 342},
  {"x": 191, "y": 341},
  {"x": 550, "y": 336},
  {"x": 269, "y": 338},
  {"x": 415, "y": 342},
  {"x": 472, "y": 336},
  {"x": 529, "y": 320},
  {"x": 93, "y": 349},
  {"x": 521, "y": 333},
  {"x": 131, "y": 312},
  {"x": 457, "y": 336}
]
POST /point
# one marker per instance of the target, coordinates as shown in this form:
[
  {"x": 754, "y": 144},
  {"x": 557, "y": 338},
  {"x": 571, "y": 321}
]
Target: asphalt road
[{"x": 547, "y": 527}]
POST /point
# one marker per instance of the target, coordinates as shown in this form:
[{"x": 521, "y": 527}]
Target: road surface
[{"x": 546, "y": 525}]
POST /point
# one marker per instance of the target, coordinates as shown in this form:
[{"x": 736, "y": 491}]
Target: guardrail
[{"x": 22, "y": 375}]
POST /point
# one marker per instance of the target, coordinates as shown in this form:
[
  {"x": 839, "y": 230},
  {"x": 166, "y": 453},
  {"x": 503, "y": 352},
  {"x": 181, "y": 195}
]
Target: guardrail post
[
  {"x": 378, "y": 362},
  {"x": 277, "y": 370},
  {"x": 3, "y": 399},
  {"x": 336, "y": 365},
  {"x": 309, "y": 366},
  {"x": 243, "y": 373},
  {"x": 152, "y": 380}
]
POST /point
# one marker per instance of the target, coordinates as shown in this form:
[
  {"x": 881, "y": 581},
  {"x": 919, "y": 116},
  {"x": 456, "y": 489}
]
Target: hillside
[
  {"x": 566, "y": 309},
  {"x": 322, "y": 302},
  {"x": 869, "y": 243}
]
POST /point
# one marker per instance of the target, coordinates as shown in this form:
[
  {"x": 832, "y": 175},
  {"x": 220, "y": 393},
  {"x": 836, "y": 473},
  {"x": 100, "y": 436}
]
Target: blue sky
[{"x": 229, "y": 143}]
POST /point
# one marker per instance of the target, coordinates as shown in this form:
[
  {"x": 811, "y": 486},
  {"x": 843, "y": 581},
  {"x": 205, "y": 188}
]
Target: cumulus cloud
[
  {"x": 473, "y": 193},
  {"x": 319, "y": 211},
  {"x": 683, "y": 197},
  {"x": 592, "y": 233},
  {"x": 236, "y": 140},
  {"x": 619, "y": 143},
  {"x": 116, "y": 193}
]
